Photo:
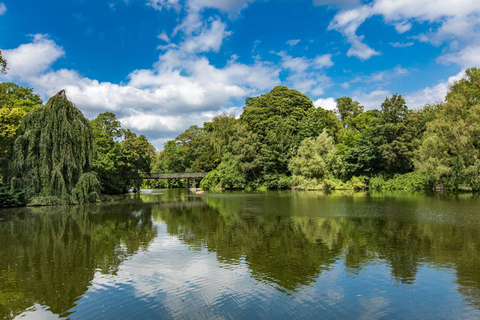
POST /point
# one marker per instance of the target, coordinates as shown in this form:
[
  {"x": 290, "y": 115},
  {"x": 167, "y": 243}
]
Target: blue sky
[{"x": 163, "y": 65}]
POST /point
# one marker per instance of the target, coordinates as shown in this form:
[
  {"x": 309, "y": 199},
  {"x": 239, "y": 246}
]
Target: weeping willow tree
[{"x": 52, "y": 156}]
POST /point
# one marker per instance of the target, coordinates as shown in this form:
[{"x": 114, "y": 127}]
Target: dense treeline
[{"x": 282, "y": 141}]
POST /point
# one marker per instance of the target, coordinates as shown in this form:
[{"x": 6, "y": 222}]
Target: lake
[{"x": 171, "y": 254}]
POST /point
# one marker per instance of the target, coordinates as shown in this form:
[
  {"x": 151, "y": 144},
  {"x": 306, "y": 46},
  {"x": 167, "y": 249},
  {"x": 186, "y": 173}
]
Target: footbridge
[{"x": 177, "y": 175}]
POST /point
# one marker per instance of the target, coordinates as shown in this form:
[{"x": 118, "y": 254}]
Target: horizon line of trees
[{"x": 282, "y": 141}]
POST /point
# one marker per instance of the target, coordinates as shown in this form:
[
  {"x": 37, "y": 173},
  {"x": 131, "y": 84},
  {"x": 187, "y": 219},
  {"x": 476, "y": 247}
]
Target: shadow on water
[{"x": 49, "y": 256}]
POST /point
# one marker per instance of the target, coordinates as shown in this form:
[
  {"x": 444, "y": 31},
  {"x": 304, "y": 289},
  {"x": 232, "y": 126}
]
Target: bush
[
  {"x": 377, "y": 183},
  {"x": 9, "y": 198},
  {"x": 412, "y": 181},
  {"x": 359, "y": 183},
  {"x": 211, "y": 181}
]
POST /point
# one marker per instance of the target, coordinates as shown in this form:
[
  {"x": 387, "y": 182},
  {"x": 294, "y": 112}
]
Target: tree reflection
[
  {"x": 290, "y": 251},
  {"x": 50, "y": 254}
]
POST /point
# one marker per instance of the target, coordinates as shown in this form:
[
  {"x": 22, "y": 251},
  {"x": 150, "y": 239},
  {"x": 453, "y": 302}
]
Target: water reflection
[
  {"x": 50, "y": 255},
  {"x": 327, "y": 251}
]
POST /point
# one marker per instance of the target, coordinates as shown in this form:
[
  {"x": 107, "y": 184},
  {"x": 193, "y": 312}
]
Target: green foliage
[
  {"x": 15, "y": 96},
  {"x": 3, "y": 64},
  {"x": 393, "y": 136},
  {"x": 15, "y": 102},
  {"x": 211, "y": 181},
  {"x": 412, "y": 181},
  {"x": 359, "y": 183},
  {"x": 377, "y": 183},
  {"x": 348, "y": 110},
  {"x": 316, "y": 160},
  {"x": 137, "y": 154},
  {"x": 263, "y": 113},
  {"x": 119, "y": 165},
  {"x": 450, "y": 154},
  {"x": 386, "y": 145},
  {"x": 230, "y": 173},
  {"x": 53, "y": 151},
  {"x": 107, "y": 123},
  {"x": 10, "y": 198},
  {"x": 191, "y": 151},
  {"x": 316, "y": 120},
  {"x": 87, "y": 189},
  {"x": 10, "y": 119}
]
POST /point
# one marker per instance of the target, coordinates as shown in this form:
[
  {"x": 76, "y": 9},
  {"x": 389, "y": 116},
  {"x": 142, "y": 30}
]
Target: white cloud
[
  {"x": 208, "y": 39},
  {"x": 328, "y": 103},
  {"x": 337, "y": 3},
  {"x": 403, "y": 26},
  {"x": 347, "y": 22},
  {"x": 31, "y": 59},
  {"x": 451, "y": 21},
  {"x": 163, "y": 36},
  {"x": 3, "y": 8},
  {"x": 304, "y": 74},
  {"x": 432, "y": 94},
  {"x": 386, "y": 75},
  {"x": 164, "y": 4},
  {"x": 224, "y": 5},
  {"x": 372, "y": 100},
  {"x": 293, "y": 42},
  {"x": 401, "y": 44},
  {"x": 323, "y": 61},
  {"x": 467, "y": 57},
  {"x": 182, "y": 89}
]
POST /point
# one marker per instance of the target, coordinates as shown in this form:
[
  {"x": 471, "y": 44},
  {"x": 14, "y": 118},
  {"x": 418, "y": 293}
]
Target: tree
[
  {"x": 108, "y": 124},
  {"x": 262, "y": 113},
  {"x": 14, "y": 96},
  {"x": 316, "y": 121},
  {"x": 316, "y": 160},
  {"x": 108, "y": 159},
  {"x": 3, "y": 64},
  {"x": 137, "y": 155},
  {"x": 53, "y": 154},
  {"x": 15, "y": 102},
  {"x": 348, "y": 109},
  {"x": 450, "y": 153},
  {"x": 10, "y": 120}
]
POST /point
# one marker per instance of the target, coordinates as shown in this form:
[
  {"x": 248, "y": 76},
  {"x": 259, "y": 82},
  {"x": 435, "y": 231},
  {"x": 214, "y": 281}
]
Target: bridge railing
[{"x": 176, "y": 175}]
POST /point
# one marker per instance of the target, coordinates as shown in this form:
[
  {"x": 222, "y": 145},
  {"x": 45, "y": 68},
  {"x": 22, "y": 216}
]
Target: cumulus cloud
[
  {"x": 372, "y": 100},
  {"x": 347, "y": 22},
  {"x": 31, "y": 59},
  {"x": 3, "y": 8},
  {"x": 451, "y": 21},
  {"x": 180, "y": 90},
  {"x": 467, "y": 57},
  {"x": 209, "y": 39},
  {"x": 328, "y": 103}
]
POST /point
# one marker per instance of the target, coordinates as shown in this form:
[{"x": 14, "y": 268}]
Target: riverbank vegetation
[
  {"x": 282, "y": 141},
  {"x": 53, "y": 155}
]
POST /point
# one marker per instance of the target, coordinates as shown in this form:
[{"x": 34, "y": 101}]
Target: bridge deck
[{"x": 176, "y": 175}]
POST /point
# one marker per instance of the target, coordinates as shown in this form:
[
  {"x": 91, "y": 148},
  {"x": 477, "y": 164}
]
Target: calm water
[{"x": 281, "y": 255}]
